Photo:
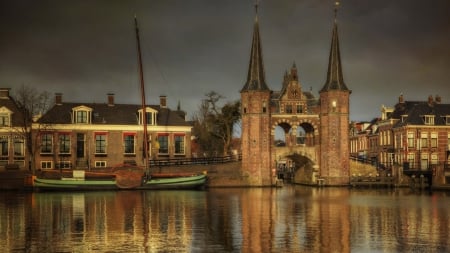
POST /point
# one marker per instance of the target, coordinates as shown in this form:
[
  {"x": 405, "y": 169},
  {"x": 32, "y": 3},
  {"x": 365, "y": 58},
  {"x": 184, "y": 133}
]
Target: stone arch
[
  {"x": 283, "y": 127},
  {"x": 305, "y": 134}
]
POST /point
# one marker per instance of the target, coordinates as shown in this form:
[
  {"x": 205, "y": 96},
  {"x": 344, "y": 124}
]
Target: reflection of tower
[
  {"x": 334, "y": 120},
  {"x": 255, "y": 99}
]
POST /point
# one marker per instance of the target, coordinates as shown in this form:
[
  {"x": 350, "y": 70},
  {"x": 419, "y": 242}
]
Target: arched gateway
[{"x": 277, "y": 125}]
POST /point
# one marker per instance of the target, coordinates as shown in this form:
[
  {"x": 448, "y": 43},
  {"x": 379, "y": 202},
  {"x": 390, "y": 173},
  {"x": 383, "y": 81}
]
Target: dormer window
[
  {"x": 5, "y": 117},
  {"x": 404, "y": 117},
  {"x": 81, "y": 115},
  {"x": 150, "y": 116},
  {"x": 428, "y": 119}
]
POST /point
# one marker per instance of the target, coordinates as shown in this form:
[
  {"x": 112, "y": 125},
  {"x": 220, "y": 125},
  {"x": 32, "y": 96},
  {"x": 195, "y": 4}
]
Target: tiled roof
[
  {"x": 416, "y": 110},
  {"x": 118, "y": 114}
]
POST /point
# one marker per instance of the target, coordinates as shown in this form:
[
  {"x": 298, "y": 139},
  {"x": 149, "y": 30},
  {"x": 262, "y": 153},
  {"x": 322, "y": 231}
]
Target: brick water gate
[{"x": 313, "y": 128}]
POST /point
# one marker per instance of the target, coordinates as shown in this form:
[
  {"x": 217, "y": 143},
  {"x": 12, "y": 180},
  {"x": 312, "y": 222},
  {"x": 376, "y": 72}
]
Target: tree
[
  {"x": 213, "y": 125},
  {"x": 32, "y": 105}
]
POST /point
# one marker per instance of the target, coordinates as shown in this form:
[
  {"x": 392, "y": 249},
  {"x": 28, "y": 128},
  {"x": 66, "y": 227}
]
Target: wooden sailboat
[{"x": 124, "y": 176}]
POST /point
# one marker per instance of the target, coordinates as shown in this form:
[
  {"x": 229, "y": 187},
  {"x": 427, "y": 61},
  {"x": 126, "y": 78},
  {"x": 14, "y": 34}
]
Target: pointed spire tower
[
  {"x": 255, "y": 118},
  {"x": 255, "y": 78},
  {"x": 335, "y": 79},
  {"x": 334, "y": 118}
]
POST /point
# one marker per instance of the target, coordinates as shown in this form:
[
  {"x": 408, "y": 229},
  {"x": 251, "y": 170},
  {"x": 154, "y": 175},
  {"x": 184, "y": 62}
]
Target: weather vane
[{"x": 336, "y": 5}]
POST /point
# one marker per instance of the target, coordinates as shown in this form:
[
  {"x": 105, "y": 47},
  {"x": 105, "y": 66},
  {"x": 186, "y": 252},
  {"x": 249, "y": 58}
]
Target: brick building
[
  {"x": 96, "y": 135},
  {"x": 315, "y": 128},
  {"x": 411, "y": 138},
  {"x": 13, "y": 133}
]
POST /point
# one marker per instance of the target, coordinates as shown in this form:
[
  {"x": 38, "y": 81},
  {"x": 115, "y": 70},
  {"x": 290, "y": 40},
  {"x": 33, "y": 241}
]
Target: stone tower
[
  {"x": 334, "y": 120},
  {"x": 255, "y": 104}
]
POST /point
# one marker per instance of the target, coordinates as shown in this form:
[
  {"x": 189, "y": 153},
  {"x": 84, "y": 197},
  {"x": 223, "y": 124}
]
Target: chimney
[
  {"x": 4, "y": 93},
  {"x": 110, "y": 99},
  {"x": 438, "y": 99},
  {"x": 58, "y": 98},
  {"x": 163, "y": 101},
  {"x": 401, "y": 100},
  {"x": 430, "y": 100}
]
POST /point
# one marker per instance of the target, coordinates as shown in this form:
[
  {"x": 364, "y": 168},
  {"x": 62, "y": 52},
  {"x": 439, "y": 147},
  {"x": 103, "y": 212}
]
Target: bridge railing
[{"x": 194, "y": 160}]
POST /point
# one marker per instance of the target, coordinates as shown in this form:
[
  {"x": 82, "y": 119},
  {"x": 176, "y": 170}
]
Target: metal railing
[{"x": 194, "y": 160}]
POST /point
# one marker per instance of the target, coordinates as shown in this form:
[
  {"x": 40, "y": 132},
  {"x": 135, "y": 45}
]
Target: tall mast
[{"x": 144, "y": 113}]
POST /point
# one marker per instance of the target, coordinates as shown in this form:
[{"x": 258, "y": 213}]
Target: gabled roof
[
  {"x": 416, "y": 110},
  {"x": 256, "y": 80},
  {"x": 118, "y": 114}
]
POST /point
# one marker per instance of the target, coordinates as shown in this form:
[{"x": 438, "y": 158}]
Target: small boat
[{"x": 123, "y": 176}]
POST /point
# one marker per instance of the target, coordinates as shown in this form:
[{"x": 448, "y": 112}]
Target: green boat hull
[{"x": 170, "y": 183}]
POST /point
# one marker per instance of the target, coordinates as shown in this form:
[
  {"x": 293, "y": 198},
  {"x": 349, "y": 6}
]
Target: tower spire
[
  {"x": 256, "y": 78},
  {"x": 335, "y": 79}
]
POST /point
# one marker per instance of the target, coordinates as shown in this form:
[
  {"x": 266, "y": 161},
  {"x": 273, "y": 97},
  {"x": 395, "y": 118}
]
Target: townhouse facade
[
  {"x": 413, "y": 137},
  {"x": 98, "y": 135},
  {"x": 12, "y": 133}
]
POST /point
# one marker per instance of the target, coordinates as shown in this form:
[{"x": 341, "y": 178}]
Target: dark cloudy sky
[{"x": 87, "y": 48}]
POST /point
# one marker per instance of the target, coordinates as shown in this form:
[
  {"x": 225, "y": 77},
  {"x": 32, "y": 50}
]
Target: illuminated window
[
  {"x": 410, "y": 140},
  {"x": 429, "y": 119},
  {"x": 434, "y": 141},
  {"x": 424, "y": 140}
]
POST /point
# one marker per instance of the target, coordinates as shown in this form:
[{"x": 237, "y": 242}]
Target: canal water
[{"x": 288, "y": 219}]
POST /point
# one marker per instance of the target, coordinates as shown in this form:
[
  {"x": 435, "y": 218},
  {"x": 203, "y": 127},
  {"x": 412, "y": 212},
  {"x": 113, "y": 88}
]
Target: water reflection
[{"x": 291, "y": 219}]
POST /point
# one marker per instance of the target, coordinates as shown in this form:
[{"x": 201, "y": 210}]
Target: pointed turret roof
[
  {"x": 256, "y": 78},
  {"x": 335, "y": 79}
]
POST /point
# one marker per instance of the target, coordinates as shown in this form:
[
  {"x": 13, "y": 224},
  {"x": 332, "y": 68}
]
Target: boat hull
[{"x": 157, "y": 183}]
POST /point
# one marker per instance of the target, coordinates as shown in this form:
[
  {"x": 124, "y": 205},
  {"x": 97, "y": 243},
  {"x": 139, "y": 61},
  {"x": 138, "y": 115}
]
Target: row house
[
  {"x": 12, "y": 133},
  {"x": 413, "y": 136},
  {"x": 97, "y": 135}
]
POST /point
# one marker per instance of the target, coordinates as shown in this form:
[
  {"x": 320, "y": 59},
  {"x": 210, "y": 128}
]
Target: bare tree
[
  {"x": 32, "y": 105},
  {"x": 214, "y": 125}
]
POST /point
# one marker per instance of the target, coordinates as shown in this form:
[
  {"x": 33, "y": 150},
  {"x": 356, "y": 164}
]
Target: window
[
  {"x": 434, "y": 140},
  {"x": 128, "y": 143},
  {"x": 411, "y": 160},
  {"x": 299, "y": 109},
  {"x": 288, "y": 108},
  {"x": 163, "y": 140},
  {"x": 46, "y": 143},
  {"x": 179, "y": 144},
  {"x": 429, "y": 119},
  {"x": 4, "y": 119},
  {"x": 19, "y": 147},
  {"x": 64, "y": 165},
  {"x": 264, "y": 109},
  {"x": 4, "y": 146},
  {"x": 424, "y": 161},
  {"x": 100, "y": 143},
  {"x": 46, "y": 165},
  {"x": 150, "y": 116},
  {"x": 434, "y": 159},
  {"x": 447, "y": 120},
  {"x": 81, "y": 117},
  {"x": 100, "y": 164},
  {"x": 410, "y": 140},
  {"x": 64, "y": 143},
  {"x": 424, "y": 140}
]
